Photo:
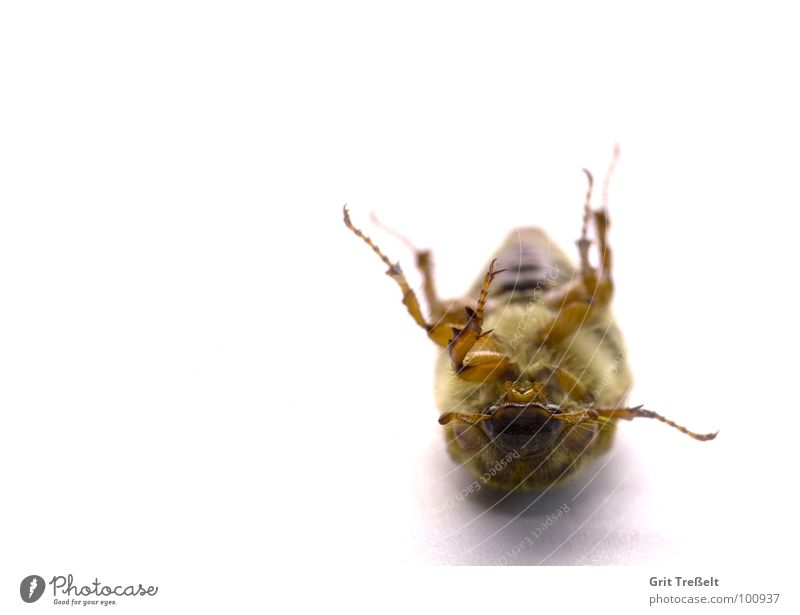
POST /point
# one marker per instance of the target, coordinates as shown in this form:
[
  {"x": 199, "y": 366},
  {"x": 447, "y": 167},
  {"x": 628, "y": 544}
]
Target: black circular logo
[{"x": 31, "y": 588}]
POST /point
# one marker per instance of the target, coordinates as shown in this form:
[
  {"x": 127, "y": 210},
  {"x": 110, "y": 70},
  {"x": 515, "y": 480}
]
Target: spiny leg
[
  {"x": 424, "y": 262},
  {"x": 440, "y": 332},
  {"x": 593, "y": 289},
  {"x": 601, "y": 221},
  {"x": 395, "y": 272},
  {"x": 441, "y": 312},
  {"x": 595, "y": 286},
  {"x": 476, "y": 355},
  {"x": 628, "y": 414},
  {"x": 465, "y": 338},
  {"x": 583, "y": 242}
]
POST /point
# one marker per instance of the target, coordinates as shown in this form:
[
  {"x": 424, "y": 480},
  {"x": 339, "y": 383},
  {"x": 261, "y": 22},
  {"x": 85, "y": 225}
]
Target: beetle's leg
[
  {"x": 475, "y": 355},
  {"x": 441, "y": 311},
  {"x": 584, "y": 243},
  {"x": 639, "y": 412},
  {"x": 424, "y": 262},
  {"x": 606, "y": 414},
  {"x": 601, "y": 228},
  {"x": 444, "y": 314},
  {"x": 593, "y": 288},
  {"x": 439, "y": 332},
  {"x": 593, "y": 285},
  {"x": 395, "y": 272}
]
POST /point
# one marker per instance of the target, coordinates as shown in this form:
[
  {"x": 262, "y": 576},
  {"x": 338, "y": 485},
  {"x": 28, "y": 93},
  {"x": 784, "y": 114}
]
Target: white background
[{"x": 208, "y": 384}]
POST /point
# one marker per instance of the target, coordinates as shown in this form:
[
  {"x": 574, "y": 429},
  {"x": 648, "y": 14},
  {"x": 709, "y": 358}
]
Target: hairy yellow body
[
  {"x": 594, "y": 354},
  {"x": 535, "y": 376}
]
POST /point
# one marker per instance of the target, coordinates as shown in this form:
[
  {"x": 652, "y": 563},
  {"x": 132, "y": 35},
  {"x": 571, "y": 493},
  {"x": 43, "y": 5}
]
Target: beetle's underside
[{"x": 535, "y": 376}]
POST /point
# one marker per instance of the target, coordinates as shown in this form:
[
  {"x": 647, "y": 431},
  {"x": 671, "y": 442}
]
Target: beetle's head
[{"x": 520, "y": 429}]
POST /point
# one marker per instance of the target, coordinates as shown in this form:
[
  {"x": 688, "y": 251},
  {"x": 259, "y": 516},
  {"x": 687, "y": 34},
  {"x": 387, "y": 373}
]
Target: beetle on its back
[{"x": 535, "y": 377}]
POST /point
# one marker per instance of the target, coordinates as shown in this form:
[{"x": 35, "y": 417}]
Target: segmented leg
[
  {"x": 447, "y": 311},
  {"x": 475, "y": 355},
  {"x": 395, "y": 272},
  {"x": 593, "y": 288},
  {"x": 439, "y": 331},
  {"x": 601, "y": 219},
  {"x": 424, "y": 262},
  {"x": 583, "y": 242},
  {"x": 628, "y": 414}
]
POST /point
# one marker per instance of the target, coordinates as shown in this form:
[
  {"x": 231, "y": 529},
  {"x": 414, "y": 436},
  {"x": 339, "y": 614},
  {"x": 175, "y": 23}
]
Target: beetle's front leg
[
  {"x": 475, "y": 355},
  {"x": 439, "y": 331}
]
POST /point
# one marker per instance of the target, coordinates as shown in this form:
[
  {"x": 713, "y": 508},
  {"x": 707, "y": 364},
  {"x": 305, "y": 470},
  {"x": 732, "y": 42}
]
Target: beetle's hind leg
[
  {"x": 604, "y": 284},
  {"x": 595, "y": 284},
  {"x": 594, "y": 287}
]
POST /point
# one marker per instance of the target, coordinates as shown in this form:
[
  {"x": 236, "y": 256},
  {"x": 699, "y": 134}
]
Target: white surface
[{"x": 206, "y": 377}]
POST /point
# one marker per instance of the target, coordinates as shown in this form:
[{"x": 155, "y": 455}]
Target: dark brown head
[
  {"x": 522, "y": 429},
  {"x": 518, "y": 445}
]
